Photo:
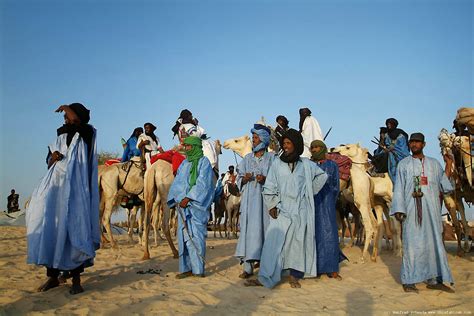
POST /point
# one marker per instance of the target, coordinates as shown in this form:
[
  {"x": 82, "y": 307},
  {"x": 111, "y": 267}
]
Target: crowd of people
[{"x": 288, "y": 201}]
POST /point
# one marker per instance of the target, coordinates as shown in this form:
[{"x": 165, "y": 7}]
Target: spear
[{"x": 329, "y": 131}]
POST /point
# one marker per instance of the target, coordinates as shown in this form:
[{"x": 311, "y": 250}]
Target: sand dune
[{"x": 121, "y": 284}]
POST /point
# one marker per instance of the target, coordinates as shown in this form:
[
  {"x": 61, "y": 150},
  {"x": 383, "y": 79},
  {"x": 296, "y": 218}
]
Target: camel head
[
  {"x": 445, "y": 141},
  {"x": 240, "y": 145},
  {"x": 352, "y": 151}
]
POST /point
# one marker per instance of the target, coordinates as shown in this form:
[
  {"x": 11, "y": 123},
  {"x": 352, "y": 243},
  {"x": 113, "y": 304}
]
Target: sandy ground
[{"x": 113, "y": 286}]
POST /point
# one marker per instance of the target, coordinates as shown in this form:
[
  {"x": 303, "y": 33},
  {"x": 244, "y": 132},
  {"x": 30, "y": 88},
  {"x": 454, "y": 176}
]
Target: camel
[
  {"x": 116, "y": 181},
  {"x": 158, "y": 180},
  {"x": 460, "y": 171},
  {"x": 368, "y": 192},
  {"x": 465, "y": 116},
  {"x": 219, "y": 213}
]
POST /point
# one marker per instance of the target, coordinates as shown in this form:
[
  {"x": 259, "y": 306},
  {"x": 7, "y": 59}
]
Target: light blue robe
[
  {"x": 399, "y": 151},
  {"x": 290, "y": 239},
  {"x": 62, "y": 219},
  {"x": 192, "y": 242},
  {"x": 254, "y": 218},
  {"x": 424, "y": 256}
]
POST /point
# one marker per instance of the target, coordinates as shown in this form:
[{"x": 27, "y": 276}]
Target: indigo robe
[
  {"x": 62, "y": 219},
  {"x": 327, "y": 240},
  {"x": 399, "y": 151}
]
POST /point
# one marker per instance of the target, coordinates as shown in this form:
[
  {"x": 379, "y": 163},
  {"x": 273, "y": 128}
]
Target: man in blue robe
[
  {"x": 288, "y": 195},
  {"x": 62, "y": 218},
  {"x": 327, "y": 240},
  {"x": 131, "y": 149},
  {"x": 394, "y": 143},
  {"x": 251, "y": 174},
  {"x": 192, "y": 192},
  {"x": 417, "y": 205}
]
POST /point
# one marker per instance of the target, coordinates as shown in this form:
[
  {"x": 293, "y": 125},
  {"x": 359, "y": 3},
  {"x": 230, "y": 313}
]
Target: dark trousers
[
  {"x": 297, "y": 274},
  {"x": 54, "y": 273}
]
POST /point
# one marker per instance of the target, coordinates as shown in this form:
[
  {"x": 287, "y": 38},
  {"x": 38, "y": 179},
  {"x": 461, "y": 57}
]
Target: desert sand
[{"x": 115, "y": 285}]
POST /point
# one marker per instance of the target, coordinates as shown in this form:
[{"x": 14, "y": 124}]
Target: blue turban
[{"x": 263, "y": 133}]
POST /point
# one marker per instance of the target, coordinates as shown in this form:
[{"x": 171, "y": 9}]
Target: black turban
[
  {"x": 81, "y": 112},
  {"x": 295, "y": 137},
  {"x": 393, "y": 121}
]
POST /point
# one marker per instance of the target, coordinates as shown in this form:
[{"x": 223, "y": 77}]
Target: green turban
[
  {"x": 193, "y": 155},
  {"x": 321, "y": 155}
]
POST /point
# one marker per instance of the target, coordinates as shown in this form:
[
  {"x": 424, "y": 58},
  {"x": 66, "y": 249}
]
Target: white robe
[{"x": 310, "y": 131}]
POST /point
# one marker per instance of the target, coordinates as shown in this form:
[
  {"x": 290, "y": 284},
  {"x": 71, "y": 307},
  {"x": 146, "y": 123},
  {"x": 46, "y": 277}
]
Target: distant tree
[{"x": 105, "y": 155}]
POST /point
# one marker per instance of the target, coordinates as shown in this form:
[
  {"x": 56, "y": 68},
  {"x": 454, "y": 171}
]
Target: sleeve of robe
[
  {"x": 400, "y": 148},
  {"x": 398, "y": 200},
  {"x": 202, "y": 192},
  {"x": 241, "y": 170},
  {"x": 271, "y": 194}
]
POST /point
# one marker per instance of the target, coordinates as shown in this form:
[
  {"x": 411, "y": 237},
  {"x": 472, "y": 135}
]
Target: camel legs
[
  {"x": 380, "y": 225},
  {"x": 132, "y": 216},
  {"x": 109, "y": 204},
  {"x": 166, "y": 229},
  {"x": 465, "y": 226},
  {"x": 369, "y": 230},
  {"x": 451, "y": 206}
]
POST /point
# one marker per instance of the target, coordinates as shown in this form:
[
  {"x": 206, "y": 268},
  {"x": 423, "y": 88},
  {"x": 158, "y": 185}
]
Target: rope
[{"x": 121, "y": 185}]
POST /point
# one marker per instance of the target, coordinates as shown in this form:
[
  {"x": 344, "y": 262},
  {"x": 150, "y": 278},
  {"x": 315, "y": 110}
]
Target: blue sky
[{"x": 353, "y": 63}]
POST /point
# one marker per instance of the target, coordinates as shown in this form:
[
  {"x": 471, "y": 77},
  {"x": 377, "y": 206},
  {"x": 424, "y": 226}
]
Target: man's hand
[
  {"x": 56, "y": 156},
  {"x": 400, "y": 217},
  {"x": 273, "y": 213},
  {"x": 260, "y": 179},
  {"x": 184, "y": 202},
  {"x": 247, "y": 177},
  {"x": 61, "y": 108}
]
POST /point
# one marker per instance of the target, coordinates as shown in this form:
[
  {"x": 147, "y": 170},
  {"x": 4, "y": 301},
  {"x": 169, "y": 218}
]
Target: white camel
[
  {"x": 452, "y": 146},
  {"x": 368, "y": 192},
  {"x": 116, "y": 181}
]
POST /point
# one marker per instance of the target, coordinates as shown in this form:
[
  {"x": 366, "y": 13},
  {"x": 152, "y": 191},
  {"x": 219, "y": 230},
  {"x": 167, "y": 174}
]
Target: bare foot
[
  {"x": 184, "y": 275},
  {"x": 245, "y": 275},
  {"x": 335, "y": 275},
  {"x": 253, "y": 283},
  {"x": 294, "y": 282},
  {"x": 49, "y": 284}
]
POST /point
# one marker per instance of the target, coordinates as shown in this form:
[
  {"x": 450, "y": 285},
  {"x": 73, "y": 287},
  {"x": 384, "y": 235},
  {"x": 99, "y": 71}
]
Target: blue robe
[
  {"x": 399, "y": 151},
  {"x": 327, "y": 240},
  {"x": 131, "y": 149},
  {"x": 289, "y": 239},
  {"x": 254, "y": 218},
  {"x": 62, "y": 219},
  {"x": 424, "y": 256},
  {"x": 192, "y": 242}
]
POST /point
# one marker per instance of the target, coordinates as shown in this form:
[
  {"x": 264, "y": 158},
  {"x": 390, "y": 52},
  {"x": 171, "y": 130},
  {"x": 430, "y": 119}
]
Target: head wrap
[
  {"x": 295, "y": 137},
  {"x": 284, "y": 119},
  {"x": 136, "y": 130},
  {"x": 193, "y": 155},
  {"x": 320, "y": 155},
  {"x": 85, "y": 130},
  {"x": 186, "y": 116},
  {"x": 81, "y": 112},
  {"x": 394, "y": 132},
  {"x": 393, "y": 121},
  {"x": 304, "y": 113},
  {"x": 263, "y": 133}
]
